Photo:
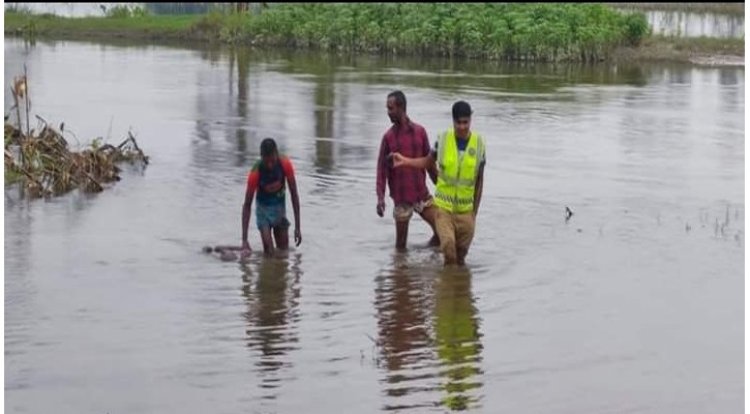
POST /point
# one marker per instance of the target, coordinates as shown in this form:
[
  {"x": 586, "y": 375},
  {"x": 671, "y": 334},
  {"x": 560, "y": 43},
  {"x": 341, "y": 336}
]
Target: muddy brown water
[{"x": 634, "y": 305}]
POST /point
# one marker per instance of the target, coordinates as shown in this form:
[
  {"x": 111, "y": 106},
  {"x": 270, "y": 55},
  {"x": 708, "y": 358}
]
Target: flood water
[
  {"x": 634, "y": 305},
  {"x": 688, "y": 24}
]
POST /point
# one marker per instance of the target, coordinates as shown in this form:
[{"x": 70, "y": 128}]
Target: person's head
[
  {"x": 396, "y": 105},
  {"x": 461, "y": 118},
  {"x": 269, "y": 153}
]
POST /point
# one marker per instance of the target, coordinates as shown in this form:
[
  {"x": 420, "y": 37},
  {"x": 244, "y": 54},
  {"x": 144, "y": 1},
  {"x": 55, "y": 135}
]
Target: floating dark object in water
[
  {"x": 580, "y": 230},
  {"x": 687, "y": 227},
  {"x": 228, "y": 256},
  {"x": 568, "y": 214},
  {"x": 225, "y": 253}
]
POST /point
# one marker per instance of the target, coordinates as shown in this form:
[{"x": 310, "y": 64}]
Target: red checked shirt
[{"x": 406, "y": 185}]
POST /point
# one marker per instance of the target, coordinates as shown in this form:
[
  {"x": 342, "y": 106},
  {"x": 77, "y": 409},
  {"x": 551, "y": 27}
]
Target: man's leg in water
[
  {"x": 464, "y": 235},
  {"x": 428, "y": 215},
  {"x": 446, "y": 232},
  {"x": 402, "y": 214},
  {"x": 402, "y": 232}
]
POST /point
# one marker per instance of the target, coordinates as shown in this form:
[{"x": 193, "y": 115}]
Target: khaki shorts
[
  {"x": 456, "y": 232},
  {"x": 403, "y": 212}
]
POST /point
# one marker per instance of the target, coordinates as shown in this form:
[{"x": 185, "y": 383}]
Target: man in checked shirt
[{"x": 407, "y": 186}]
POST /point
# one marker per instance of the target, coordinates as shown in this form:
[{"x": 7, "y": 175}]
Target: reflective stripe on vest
[{"x": 457, "y": 175}]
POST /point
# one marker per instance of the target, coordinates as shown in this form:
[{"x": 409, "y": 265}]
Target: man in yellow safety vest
[{"x": 460, "y": 157}]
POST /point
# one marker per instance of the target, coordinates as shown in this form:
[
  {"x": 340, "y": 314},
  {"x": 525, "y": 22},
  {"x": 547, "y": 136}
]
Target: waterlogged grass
[
  {"x": 131, "y": 26},
  {"x": 677, "y": 49},
  {"x": 493, "y": 31},
  {"x": 706, "y": 45},
  {"x": 579, "y": 32}
]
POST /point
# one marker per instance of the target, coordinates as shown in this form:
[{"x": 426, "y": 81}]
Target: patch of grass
[
  {"x": 510, "y": 31},
  {"x": 494, "y": 32},
  {"x": 678, "y": 49},
  {"x": 706, "y": 45},
  {"x": 548, "y": 32},
  {"x": 166, "y": 26},
  {"x": 121, "y": 11}
]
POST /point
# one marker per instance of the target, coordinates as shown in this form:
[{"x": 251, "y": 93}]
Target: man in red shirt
[
  {"x": 407, "y": 186},
  {"x": 268, "y": 179}
]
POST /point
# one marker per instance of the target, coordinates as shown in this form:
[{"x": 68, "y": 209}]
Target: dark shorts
[{"x": 271, "y": 216}]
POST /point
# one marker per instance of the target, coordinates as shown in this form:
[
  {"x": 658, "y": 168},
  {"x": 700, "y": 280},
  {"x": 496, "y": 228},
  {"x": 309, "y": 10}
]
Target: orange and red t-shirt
[{"x": 270, "y": 184}]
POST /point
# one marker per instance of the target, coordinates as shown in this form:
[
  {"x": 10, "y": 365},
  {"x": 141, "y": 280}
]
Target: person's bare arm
[
  {"x": 399, "y": 160},
  {"x": 381, "y": 177},
  {"x": 432, "y": 170},
  {"x": 295, "y": 204},
  {"x": 249, "y": 193},
  {"x": 478, "y": 186}
]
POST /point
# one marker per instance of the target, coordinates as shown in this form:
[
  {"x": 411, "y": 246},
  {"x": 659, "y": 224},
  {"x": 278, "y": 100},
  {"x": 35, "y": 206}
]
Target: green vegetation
[
  {"x": 140, "y": 27},
  {"x": 185, "y": 8},
  {"x": 487, "y": 30},
  {"x": 492, "y": 32},
  {"x": 546, "y": 32},
  {"x": 120, "y": 12}
]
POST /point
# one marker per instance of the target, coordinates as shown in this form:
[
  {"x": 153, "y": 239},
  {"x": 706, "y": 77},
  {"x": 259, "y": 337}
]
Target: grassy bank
[
  {"x": 673, "y": 49},
  {"x": 546, "y": 32},
  {"x": 141, "y": 27},
  {"x": 530, "y": 32}
]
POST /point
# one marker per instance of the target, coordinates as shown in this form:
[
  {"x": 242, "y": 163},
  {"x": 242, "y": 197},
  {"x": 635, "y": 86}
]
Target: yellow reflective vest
[{"x": 457, "y": 174}]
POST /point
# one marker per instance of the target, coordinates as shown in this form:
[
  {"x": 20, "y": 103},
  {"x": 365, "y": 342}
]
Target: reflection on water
[
  {"x": 457, "y": 333},
  {"x": 325, "y": 99},
  {"x": 428, "y": 336},
  {"x": 243, "y": 69},
  {"x": 403, "y": 299},
  {"x": 271, "y": 290}
]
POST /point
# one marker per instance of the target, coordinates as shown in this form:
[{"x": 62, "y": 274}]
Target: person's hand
[
  {"x": 397, "y": 160},
  {"x": 297, "y": 236},
  {"x": 245, "y": 249},
  {"x": 380, "y": 208}
]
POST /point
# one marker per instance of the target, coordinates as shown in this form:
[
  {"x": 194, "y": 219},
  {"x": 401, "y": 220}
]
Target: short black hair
[
  {"x": 461, "y": 109},
  {"x": 268, "y": 147},
  {"x": 399, "y": 97}
]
